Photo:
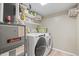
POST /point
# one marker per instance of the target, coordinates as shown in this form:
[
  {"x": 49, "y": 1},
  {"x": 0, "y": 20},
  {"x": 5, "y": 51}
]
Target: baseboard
[{"x": 65, "y": 52}]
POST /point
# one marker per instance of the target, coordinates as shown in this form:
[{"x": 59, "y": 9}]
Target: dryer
[{"x": 38, "y": 44}]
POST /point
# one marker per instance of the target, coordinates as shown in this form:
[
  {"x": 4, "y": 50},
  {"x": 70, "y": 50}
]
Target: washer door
[{"x": 40, "y": 47}]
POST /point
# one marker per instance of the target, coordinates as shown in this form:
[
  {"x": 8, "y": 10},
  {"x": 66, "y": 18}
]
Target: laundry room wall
[
  {"x": 77, "y": 31},
  {"x": 63, "y": 31}
]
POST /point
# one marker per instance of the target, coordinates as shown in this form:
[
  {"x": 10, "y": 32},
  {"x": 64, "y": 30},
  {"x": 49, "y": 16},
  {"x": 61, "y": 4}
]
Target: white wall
[
  {"x": 77, "y": 35},
  {"x": 63, "y": 30}
]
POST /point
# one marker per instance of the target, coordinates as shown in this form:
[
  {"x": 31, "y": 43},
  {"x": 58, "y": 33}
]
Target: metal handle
[{"x": 42, "y": 35}]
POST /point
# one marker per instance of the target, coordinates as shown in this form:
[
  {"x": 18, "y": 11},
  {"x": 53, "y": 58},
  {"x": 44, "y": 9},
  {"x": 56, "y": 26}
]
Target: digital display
[{"x": 12, "y": 40}]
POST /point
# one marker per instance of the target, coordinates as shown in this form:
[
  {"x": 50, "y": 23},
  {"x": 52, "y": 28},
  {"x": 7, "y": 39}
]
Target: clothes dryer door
[{"x": 40, "y": 47}]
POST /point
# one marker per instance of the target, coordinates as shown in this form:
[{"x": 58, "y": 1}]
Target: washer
[{"x": 38, "y": 44}]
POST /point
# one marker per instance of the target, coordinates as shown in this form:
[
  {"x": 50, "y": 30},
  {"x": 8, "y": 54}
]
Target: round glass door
[{"x": 40, "y": 47}]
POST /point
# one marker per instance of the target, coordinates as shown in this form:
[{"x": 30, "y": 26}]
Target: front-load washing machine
[{"x": 38, "y": 44}]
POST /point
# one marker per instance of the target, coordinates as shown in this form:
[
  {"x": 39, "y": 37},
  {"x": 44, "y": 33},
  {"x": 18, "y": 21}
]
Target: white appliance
[{"x": 38, "y": 44}]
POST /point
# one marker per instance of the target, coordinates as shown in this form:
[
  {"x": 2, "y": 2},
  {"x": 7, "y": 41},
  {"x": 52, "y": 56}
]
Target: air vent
[{"x": 73, "y": 12}]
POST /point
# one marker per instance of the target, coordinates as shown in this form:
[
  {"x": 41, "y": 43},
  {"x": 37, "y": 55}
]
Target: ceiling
[{"x": 50, "y": 8}]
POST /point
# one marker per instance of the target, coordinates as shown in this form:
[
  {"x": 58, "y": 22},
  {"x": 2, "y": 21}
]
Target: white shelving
[
  {"x": 17, "y": 17},
  {"x": 28, "y": 16},
  {"x": 32, "y": 23},
  {"x": 38, "y": 17},
  {"x": 27, "y": 22},
  {"x": 31, "y": 16}
]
